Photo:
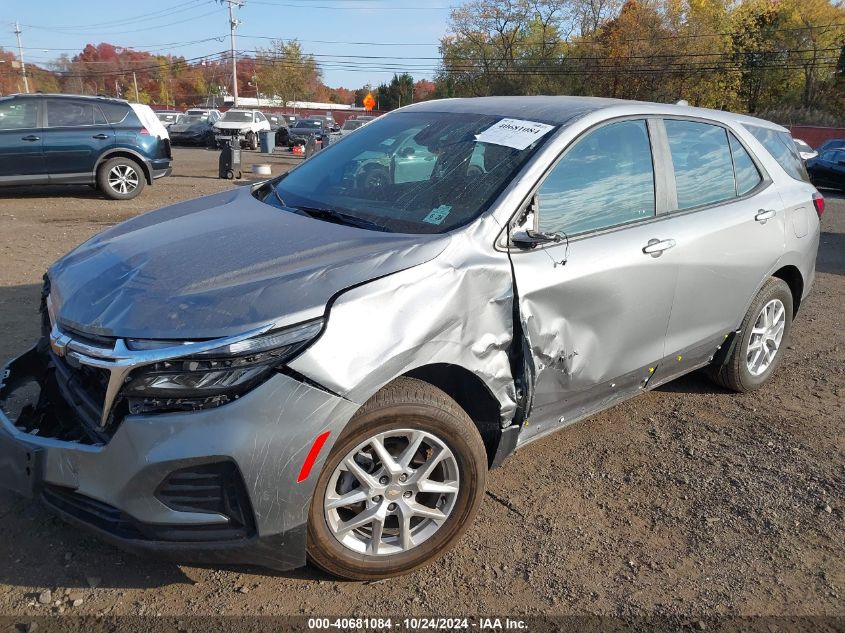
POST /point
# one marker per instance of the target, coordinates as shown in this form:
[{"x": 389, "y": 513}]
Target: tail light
[
  {"x": 144, "y": 132},
  {"x": 818, "y": 202}
]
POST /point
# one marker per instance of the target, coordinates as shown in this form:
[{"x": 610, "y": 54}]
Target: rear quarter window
[
  {"x": 114, "y": 112},
  {"x": 782, "y": 148}
]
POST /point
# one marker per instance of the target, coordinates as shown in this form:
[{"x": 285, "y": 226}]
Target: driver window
[{"x": 604, "y": 180}]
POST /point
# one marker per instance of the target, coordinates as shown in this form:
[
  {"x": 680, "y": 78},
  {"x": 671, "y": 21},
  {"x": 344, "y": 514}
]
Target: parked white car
[
  {"x": 206, "y": 114},
  {"x": 244, "y": 123},
  {"x": 804, "y": 150}
]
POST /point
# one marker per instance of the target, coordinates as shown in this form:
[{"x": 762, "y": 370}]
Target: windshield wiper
[
  {"x": 278, "y": 195},
  {"x": 340, "y": 217}
]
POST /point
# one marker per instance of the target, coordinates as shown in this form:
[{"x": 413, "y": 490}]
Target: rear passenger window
[
  {"x": 605, "y": 179},
  {"x": 701, "y": 158},
  {"x": 747, "y": 176},
  {"x": 114, "y": 112},
  {"x": 66, "y": 113},
  {"x": 782, "y": 148}
]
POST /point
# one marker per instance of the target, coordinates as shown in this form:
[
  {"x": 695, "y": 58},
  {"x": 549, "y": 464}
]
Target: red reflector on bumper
[
  {"x": 818, "y": 202},
  {"x": 308, "y": 464}
]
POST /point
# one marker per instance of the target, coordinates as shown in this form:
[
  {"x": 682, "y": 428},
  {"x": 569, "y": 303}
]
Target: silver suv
[{"x": 327, "y": 364}]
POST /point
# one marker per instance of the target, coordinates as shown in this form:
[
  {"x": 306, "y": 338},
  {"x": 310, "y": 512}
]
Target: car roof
[
  {"x": 52, "y": 95},
  {"x": 564, "y": 109}
]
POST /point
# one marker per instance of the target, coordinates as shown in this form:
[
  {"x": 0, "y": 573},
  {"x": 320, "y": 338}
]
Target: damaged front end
[{"x": 129, "y": 438}]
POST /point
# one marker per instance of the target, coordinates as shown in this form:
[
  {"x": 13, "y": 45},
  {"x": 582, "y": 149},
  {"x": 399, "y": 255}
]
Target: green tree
[{"x": 399, "y": 92}]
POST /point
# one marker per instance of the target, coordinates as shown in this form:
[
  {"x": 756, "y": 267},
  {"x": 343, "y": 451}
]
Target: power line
[
  {"x": 347, "y": 8},
  {"x": 124, "y": 21},
  {"x": 148, "y": 28},
  {"x": 371, "y": 43}
]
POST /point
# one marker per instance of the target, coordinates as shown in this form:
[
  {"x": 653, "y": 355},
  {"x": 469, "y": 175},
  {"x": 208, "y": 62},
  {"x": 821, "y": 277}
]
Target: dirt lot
[{"x": 687, "y": 501}]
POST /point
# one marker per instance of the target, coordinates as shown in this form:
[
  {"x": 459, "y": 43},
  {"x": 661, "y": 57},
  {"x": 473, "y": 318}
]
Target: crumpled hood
[{"x": 218, "y": 266}]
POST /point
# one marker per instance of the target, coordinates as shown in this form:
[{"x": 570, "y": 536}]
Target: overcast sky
[{"x": 356, "y": 41}]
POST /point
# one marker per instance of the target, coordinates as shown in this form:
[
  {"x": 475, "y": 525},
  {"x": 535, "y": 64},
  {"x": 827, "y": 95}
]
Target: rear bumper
[
  {"x": 114, "y": 489},
  {"x": 161, "y": 173}
]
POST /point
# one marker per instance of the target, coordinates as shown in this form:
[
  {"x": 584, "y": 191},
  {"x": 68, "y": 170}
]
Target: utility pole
[
  {"x": 233, "y": 24},
  {"x": 135, "y": 81},
  {"x": 20, "y": 56}
]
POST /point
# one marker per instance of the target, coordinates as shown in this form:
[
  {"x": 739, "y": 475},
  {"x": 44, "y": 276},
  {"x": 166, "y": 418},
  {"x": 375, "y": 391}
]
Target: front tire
[
  {"x": 252, "y": 140},
  {"x": 400, "y": 486},
  {"x": 762, "y": 338},
  {"x": 121, "y": 178}
]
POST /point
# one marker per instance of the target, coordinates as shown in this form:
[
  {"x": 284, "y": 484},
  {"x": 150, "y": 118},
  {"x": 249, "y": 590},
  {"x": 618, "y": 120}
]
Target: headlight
[{"x": 218, "y": 375}]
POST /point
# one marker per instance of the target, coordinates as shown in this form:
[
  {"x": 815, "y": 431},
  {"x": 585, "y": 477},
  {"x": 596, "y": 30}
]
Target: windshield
[
  {"x": 239, "y": 117},
  {"x": 309, "y": 123},
  {"x": 168, "y": 117},
  {"x": 192, "y": 118},
  {"x": 352, "y": 125},
  {"x": 412, "y": 172}
]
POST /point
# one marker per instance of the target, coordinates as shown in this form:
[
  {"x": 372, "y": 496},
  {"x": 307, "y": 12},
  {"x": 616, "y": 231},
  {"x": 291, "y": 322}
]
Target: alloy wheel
[
  {"x": 123, "y": 179},
  {"x": 392, "y": 492},
  {"x": 766, "y": 337}
]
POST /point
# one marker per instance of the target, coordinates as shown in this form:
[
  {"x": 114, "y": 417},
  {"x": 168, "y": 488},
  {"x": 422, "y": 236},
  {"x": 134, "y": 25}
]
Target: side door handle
[
  {"x": 655, "y": 248},
  {"x": 31, "y": 137},
  {"x": 765, "y": 214},
  {"x": 101, "y": 137}
]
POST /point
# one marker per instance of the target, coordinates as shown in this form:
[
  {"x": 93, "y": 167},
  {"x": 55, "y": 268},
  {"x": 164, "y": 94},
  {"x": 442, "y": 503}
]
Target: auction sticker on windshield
[{"x": 513, "y": 133}]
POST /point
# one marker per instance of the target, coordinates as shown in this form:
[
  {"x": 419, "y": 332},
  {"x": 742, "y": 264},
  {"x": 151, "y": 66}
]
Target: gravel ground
[{"x": 687, "y": 501}]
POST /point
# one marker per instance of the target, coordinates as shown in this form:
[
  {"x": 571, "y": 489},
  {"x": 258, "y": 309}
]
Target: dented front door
[{"x": 595, "y": 325}]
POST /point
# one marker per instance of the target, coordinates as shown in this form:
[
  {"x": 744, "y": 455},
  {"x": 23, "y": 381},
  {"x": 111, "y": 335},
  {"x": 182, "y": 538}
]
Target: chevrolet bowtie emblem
[{"x": 59, "y": 343}]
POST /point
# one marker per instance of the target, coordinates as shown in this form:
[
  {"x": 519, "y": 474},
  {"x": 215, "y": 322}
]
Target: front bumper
[{"x": 114, "y": 488}]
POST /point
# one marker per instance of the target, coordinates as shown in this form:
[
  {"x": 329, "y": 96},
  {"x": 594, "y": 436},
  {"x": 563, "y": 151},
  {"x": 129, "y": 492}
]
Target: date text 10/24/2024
[{"x": 418, "y": 624}]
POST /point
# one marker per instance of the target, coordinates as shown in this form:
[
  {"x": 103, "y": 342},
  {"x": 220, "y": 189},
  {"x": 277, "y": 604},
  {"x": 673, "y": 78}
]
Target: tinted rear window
[{"x": 782, "y": 148}]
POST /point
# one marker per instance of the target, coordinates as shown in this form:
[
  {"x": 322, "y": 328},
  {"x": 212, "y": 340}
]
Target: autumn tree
[{"x": 286, "y": 72}]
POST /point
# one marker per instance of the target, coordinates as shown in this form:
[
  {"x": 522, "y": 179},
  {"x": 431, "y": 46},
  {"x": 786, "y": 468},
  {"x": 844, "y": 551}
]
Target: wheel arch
[
  {"x": 122, "y": 152},
  {"x": 472, "y": 395},
  {"x": 795, "y": 280}
]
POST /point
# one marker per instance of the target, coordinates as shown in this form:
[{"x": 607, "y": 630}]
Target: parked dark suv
[{"x": 69, "y": 139}]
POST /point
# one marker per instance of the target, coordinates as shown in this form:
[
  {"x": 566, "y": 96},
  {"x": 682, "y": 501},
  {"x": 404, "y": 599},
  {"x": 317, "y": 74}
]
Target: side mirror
[
  {"x": 529, "y": 239},
  {"x": 841, "y": 161}
]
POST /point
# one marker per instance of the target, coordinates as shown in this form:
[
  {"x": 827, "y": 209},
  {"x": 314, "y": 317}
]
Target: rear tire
[
  {"x": 418, "y": 510},
  {"x": 763, "y": 335},
  {"x": 121, "y": 178}
]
